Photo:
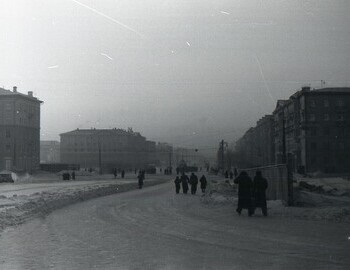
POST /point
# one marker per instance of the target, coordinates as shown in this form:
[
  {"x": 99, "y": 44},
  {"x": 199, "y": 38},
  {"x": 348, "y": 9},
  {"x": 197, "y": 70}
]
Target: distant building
[
  {"x": 311, "y": 130},
  {"x": 108, "y": 148},
  {"x": 49, "y": 152},
  {"x": 19, "y": 131},
  {"x": 164, "y": 154}
]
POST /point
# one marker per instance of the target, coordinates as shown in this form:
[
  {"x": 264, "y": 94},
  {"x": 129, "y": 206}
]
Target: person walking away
[
  {"x": 235, "y": 172},
  {"x": 203, "y": 181},
  {"x": 123, "y": 173},
  {"x": 259, "y": 192},
  {"x": 226, "y": 174},
  {"x": 177, "y": 184},
  {"x": 184, "y": 182},
  {"x": 73, "y": 175},
  {"x": 193, "y": 183},
  {"x": 231, "y": 175},
  {"x": 115, "y": 173},
  {"x": 245, "y": 187},
  {"x": 140, "y": 179}
]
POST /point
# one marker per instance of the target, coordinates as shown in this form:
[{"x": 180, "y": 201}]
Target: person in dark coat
[
  {"x": 235, "y": 172},
  {"x": 184, "y": 182},
  {"x": 193, "y": 183},
  {"x": 140, "y": 178},
  {"x": 245, "y": 188},
  {"x": 231, "y": 175},
  {"x": 177, "y": 184},
  {"x": 226, "y": 174},
  {"x": 259, "y": 192},
  {"x": 123, "y": 173},
  {"x": 115, "y": 173},
  {"x": 203, "y": 181},
  {"x": 73, "y": 175}
]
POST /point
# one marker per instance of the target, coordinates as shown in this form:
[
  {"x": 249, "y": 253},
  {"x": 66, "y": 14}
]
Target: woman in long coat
[
  {"x": 259, "y": 192},
  {"x": 245, "y": 188},
  {"x": 203, "y": 181},
  {"x": 177, "y": 184},
  {"x": 184, "y": 181}
]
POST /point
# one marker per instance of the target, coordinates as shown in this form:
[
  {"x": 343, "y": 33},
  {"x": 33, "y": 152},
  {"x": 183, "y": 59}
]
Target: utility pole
[{"x": 99, "y": 156}]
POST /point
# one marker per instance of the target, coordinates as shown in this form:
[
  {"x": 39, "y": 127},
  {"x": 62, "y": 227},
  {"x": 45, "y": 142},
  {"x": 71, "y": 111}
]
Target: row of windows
[
  {"x": 327, "y": 117},
  {"x": 326, "y": 103}
]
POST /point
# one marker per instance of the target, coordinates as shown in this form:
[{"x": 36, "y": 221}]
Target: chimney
[
  {"x": 15, "y": 89},
  {"x": 30, "y": 93}
]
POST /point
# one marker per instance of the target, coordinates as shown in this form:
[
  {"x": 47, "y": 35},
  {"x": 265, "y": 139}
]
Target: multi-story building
[
  {"x": 310, "y": 131},
  {"x": 256, "y": 148},
  {"x": 49, "y": 152},
  {"x": 19, "y": 131},
  {"x": 106, "y": 149}
]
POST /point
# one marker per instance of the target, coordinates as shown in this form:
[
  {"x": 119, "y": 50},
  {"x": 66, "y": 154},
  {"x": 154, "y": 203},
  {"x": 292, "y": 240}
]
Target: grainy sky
[{"x": 188, "y": 72}]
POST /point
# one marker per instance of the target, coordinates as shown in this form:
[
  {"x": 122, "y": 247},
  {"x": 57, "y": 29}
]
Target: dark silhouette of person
[
  {"x": 123, "y": 173},
  {"x": 231, "y": 175},
  {"x": 177, "y": 184},
  {"x": 73, "y": 175},
  {"x": 203, "y": 181},
  {"x": 245, "y": 188},
  {"x": 177, "y": 170},
  {"x": 226, "y": 174},
  {"x": 259, "y": 192},
  {"x": 140, "y": 178},
  {"x": 193, "y": 183},
  {"x": 115, "y": 173},
  {"x": 184, "y": 182},
  {"x": 235, "y": 172}
]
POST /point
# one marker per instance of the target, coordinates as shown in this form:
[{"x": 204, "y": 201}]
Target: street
[{"x": 154, "y": 228}]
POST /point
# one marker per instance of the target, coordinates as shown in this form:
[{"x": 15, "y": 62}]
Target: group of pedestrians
[
  {"x": 115, "y": 173},
  {"x": 184, "y": 181},
  {"x": 251, "y": 193}
]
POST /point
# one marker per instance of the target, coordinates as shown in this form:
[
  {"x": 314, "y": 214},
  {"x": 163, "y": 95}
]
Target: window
[
  {"x": 340, "y": 103},
  {"x": 312, "y": 103},
  {"x": 326, "y": 103},
  {"x": 340, "y": 117},
  {"x": 326, "y": 117},
  {"x": 312, "y": 117}
]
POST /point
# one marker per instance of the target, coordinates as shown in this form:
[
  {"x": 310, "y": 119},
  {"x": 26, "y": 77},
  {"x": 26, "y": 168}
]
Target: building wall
[
  {"x": 19, "y": 132},
  {"x": 117, "y": 148},
  {"x": 49, "y": 152}
]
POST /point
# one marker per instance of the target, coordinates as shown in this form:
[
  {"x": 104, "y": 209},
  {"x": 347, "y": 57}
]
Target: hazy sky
[{"x": 188, "y": 72}]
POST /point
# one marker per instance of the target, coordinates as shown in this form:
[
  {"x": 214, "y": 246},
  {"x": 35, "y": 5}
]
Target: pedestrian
[
  {"x": 245, "y": 187},
  {"x": 123, "y": 173},
  {"x": 231, "y": 175},
  {"x": 193, "y": 183},
  {"x": 226, "y": 174},
  {"x": 115, "y": 173},
  {"x": 177, "y": 170},
  {"x": 140, "y": 178},
  {"x": 73, "y": 175},
  {"x": 203, "y": 181},
  {"x": 184, "y": 182},
  {"x": 177, "y": 184},
  {"x": 235, "y": 173},
  {"x": 259, "y": 192}
]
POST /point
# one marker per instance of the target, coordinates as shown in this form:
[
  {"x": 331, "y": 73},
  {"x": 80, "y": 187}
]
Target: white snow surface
[
  {"x": 332, "y": 204},
  {"x": 32, "y": 196}
]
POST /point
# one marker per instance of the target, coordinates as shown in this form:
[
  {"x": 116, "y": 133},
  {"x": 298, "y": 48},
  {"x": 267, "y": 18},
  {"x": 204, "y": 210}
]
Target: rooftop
[
  {"x": 93, "y": 131},
  {"x": 5, "y": 92}
]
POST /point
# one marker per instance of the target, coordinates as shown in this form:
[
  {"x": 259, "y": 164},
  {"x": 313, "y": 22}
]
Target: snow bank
[
  {"x": 18, "y": 208},
  {"x": 308, "y": 205}
]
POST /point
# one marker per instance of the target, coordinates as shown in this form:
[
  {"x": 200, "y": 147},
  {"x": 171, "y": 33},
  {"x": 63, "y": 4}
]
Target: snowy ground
[
  {"x": 327, "y": 199},
  {"x": 32, "y": 196}
]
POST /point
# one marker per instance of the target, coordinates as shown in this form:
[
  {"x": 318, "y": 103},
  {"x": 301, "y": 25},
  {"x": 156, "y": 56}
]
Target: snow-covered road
[{"x": 154, "y": 228}]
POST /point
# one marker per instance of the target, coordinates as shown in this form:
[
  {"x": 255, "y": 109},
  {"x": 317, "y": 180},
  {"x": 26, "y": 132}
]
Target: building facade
[
  {"x": 19, "y": 131},
  {"x": 49, "y": 152},
  {"x": 106, "y": 149},
  {"x": 310, "y": 130}
]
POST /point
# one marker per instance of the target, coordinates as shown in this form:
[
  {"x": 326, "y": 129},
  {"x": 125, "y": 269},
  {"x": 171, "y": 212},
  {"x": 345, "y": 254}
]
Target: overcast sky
[{"x": 190, "y": 72}]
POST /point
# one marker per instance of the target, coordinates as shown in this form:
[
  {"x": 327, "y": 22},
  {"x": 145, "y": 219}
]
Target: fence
[{"x": 280, "y": 182}]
